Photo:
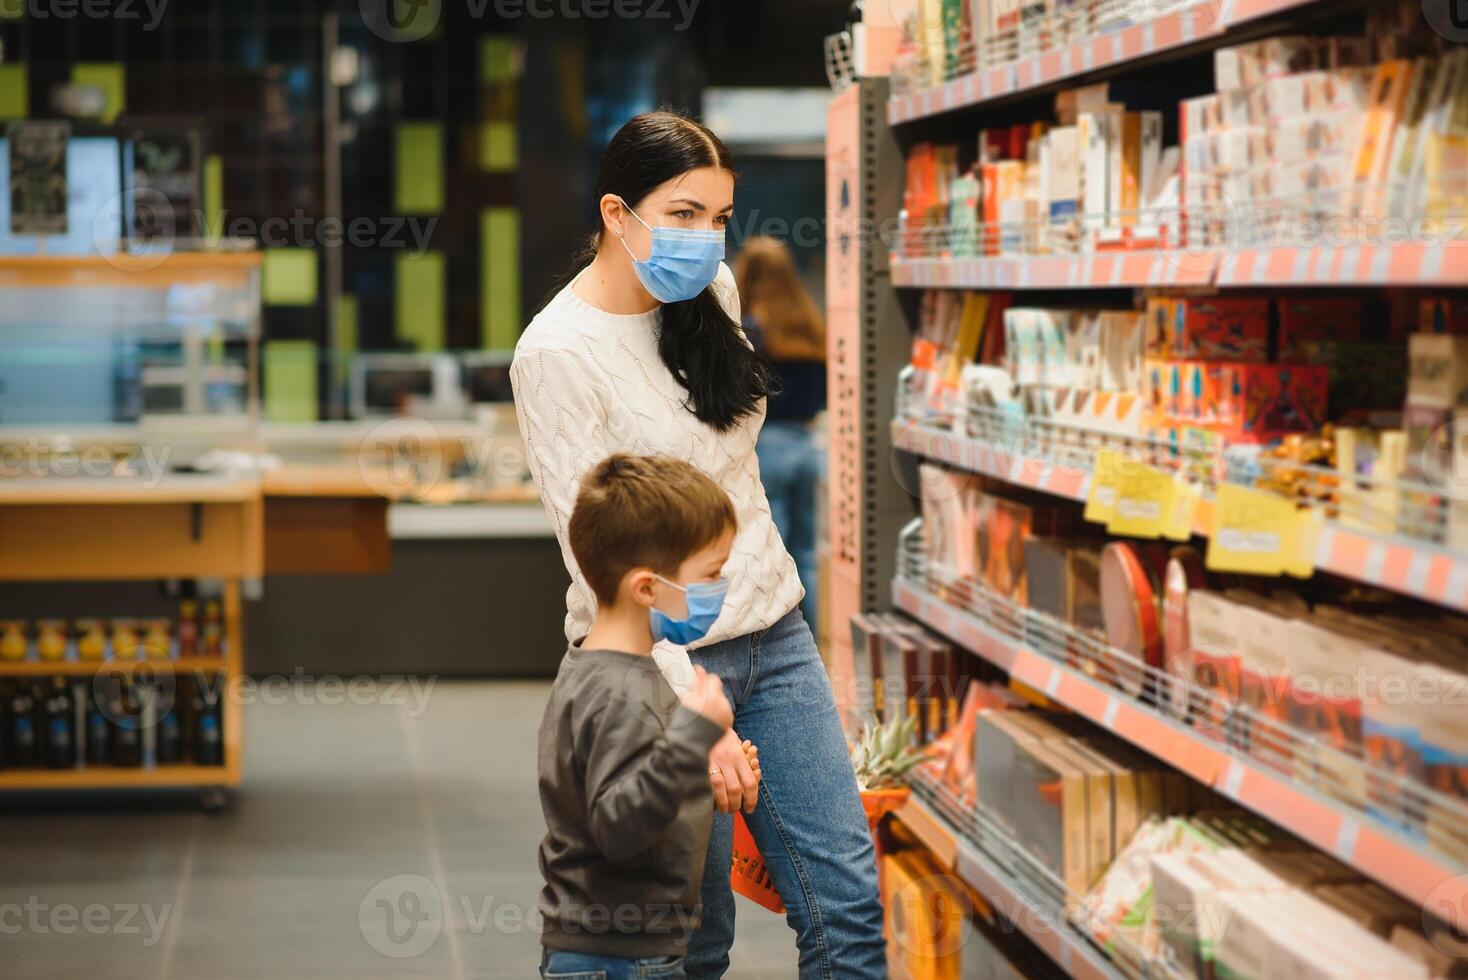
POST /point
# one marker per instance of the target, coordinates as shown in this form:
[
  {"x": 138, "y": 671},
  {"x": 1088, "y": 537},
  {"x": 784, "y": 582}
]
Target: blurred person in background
[{"x": 784, "y": 325}]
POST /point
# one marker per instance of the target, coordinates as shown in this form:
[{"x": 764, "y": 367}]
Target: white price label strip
[
  {"x": 1233, "y": 780},
  {"x": 1052, "y": 683},
  {"x": 1345, "y": 839},
  {"x": 1108, "y": 717}
]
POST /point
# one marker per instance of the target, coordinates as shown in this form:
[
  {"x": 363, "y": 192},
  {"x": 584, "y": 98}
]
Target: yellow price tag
[
  {"x": 1179, "y": 524},
  {"x": 1254, "y": 532},
  {"x": 1144, "y": 498},
  {"x": 1307, "y": 535},
  {"x": 1101, "y": 501}
]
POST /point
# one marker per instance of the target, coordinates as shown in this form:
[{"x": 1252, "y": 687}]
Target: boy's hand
[{"x": 706, "y": 696}]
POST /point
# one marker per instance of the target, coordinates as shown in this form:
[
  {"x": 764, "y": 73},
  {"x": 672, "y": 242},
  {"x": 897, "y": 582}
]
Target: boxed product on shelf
[
  {"x": 928, "y": 918},
  {"x": 1049, "y": 811},
  {"x": 1219, "y": 328},
  {"x": 1445, "y": 763},
  {"x": 1391, "y": 735},
  {"x": 1325, "y": 707},
  {"x": 1272, "y": 400},
  {"x": 1214, "y": 660},
  {"x": 1264, "y": 677},
  {"x": 1438, "y": 371},
  {"x": 950, "y": 503},
  {"x": 1443, "y": 314},
  {"x": 1306, "y": 320},
  {"x": 1123, "y": 340},
  {"x": 1244, "y": 65},
  {"x": 900, "y": 653}
]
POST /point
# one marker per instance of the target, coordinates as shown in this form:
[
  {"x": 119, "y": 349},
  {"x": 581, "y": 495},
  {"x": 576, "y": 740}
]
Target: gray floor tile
[{"x": 298, "y": 878}]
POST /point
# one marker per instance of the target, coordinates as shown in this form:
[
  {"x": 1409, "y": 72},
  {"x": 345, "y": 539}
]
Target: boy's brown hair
[{"x": 643, "y": 512}]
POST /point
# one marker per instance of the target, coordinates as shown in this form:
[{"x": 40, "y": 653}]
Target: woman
[
  {"x": 641, "y": 352},
  {"x": 782, "y": 322}
]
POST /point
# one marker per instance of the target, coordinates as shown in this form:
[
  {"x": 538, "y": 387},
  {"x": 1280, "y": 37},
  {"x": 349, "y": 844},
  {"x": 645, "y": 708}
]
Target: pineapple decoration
[{"x": 884, "y": 754}]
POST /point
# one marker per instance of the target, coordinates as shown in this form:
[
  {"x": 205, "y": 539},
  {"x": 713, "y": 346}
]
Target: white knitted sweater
[{"x": 590, "y": 383}]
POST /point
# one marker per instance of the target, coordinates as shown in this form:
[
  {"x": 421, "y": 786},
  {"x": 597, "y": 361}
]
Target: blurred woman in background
[{"x": 783, "y": 323}]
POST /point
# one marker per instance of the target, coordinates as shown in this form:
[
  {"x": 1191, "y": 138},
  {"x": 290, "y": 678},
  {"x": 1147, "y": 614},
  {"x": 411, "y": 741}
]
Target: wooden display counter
[{"x": 121, "y": 528}]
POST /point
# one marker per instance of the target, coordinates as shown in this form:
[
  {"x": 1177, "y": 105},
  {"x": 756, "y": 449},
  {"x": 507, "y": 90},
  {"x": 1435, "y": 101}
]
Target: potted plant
[{"x": 882, "y": 758}]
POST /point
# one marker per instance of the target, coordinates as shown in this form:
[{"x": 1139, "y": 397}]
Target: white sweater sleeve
[{"x": 563, "y": 423}]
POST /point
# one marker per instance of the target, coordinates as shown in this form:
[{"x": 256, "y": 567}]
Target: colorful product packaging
[
  {"x": 1221, "y": 329},
  {"x": 1267, "y": 401}
]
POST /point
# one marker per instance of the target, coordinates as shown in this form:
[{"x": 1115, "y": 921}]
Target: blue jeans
[
  {"x": 790, "y": 467},
  {"x": 809, "y": 824},
  {"x": 562, "y": 965}
]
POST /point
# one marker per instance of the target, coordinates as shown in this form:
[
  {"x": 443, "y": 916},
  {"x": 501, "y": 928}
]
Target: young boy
[{"x": 624, "y": 773}]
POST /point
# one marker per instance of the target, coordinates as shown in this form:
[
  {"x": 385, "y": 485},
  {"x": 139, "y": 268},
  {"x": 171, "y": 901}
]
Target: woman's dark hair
[{"x": 698, "y": 341}]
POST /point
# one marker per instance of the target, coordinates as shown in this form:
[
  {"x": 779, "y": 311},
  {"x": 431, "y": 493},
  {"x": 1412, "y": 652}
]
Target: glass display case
[{"x": 160, "y": 342}]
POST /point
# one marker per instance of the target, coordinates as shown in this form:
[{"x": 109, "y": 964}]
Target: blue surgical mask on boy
[
  {"x": 705, "y": 600},
  {"x": 682, "y": 263}
]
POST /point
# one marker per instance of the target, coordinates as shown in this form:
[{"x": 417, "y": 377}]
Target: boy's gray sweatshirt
[{"x": 624, "y": 786}]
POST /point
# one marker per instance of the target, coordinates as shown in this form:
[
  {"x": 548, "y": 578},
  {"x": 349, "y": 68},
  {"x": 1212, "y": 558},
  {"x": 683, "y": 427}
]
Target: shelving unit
[
  {"x": 1367, "y": 844},
  {"x": 1200, "y": 23},
  {"x": 1415, "y": 568},
  {"x": 958, "y": 854},
  {"x": 1404, "y": 559},
  {"x": 1443, "y": 264},
  {"x": 107, "y": 529},
  {"x": 113, "y": 527}
]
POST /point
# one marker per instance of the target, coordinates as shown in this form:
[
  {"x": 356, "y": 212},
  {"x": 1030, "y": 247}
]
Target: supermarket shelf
[
  {"x": 1070, "y": 950},
  {"x": 110, "y": 777},
  {"x": 1098, "y": 270},
  {"x": 1442, "y": 264},
  {"x": 1412, "y": 568},
  {"x": 1351, "y": 836},
  {"x": 88, "y": 668},
  {"x": 1195, "y": 23},
  {"x": 929, "y": 827}
]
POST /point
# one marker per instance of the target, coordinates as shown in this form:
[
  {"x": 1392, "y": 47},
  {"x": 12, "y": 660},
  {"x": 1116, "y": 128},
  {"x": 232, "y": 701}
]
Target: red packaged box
[
  {"x": 1308, "y": 319},
  {"x": 1263, "y": 402},
  {"x": 1220, "y": 329}
]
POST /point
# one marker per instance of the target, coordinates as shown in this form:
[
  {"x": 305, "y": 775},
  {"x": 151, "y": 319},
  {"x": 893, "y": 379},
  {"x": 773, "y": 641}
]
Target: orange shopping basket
[{"x": 747, "y": 874}]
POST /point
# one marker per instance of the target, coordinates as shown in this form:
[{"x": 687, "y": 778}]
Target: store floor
[{"x": 369, "y": 840}]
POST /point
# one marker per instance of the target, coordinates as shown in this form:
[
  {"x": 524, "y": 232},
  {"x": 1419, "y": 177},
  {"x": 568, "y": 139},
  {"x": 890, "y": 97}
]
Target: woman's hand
[{"x": 735, "y": 781}]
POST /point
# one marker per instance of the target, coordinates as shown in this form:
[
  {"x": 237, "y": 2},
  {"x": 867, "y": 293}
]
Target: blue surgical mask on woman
[
  {"x": 704, "y": 599},
  {"x": 682, "y": 263}
]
